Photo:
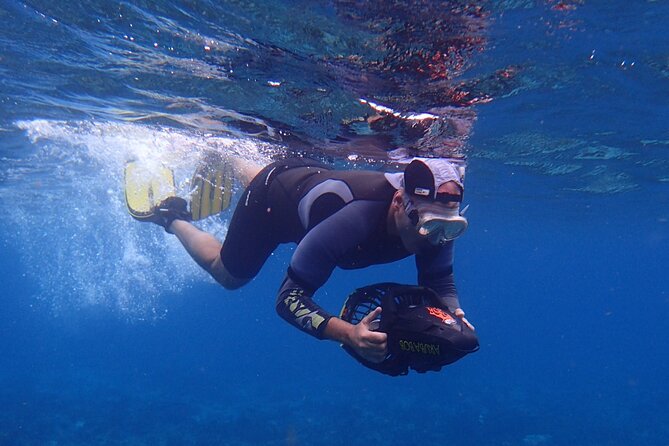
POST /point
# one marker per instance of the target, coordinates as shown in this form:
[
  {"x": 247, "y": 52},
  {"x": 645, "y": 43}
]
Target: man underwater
[{"x": 338, "y": 218}]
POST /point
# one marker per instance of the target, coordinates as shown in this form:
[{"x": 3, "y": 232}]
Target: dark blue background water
[{"x": 110, "y": 335}]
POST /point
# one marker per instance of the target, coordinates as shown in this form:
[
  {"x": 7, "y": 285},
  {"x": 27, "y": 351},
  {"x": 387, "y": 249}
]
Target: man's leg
[
  {"x": 205, "y": 249},
  {"x": 245, "y": 170},
  {"x": 250, "y": 238}
]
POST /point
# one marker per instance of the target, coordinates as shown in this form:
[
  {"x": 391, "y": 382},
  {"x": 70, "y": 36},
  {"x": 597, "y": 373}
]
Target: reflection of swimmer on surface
[
  {"x": 424, "y": 48},
  {"x": 386, "y": 133},
  {"x": 349, "y": 219}
]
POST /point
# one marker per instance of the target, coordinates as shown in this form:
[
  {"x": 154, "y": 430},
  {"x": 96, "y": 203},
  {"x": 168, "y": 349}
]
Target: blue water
[{"x": 109, "y": 334}]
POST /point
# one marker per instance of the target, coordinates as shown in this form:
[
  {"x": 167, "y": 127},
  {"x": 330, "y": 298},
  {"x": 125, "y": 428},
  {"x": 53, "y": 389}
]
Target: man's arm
[
  {"x": 312, "y": 264},
  {"x": 435, "y": 271},
  {"x": 295, "y": 305}
]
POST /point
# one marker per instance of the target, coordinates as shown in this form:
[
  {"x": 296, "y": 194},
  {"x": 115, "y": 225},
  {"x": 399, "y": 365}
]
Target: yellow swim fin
[
  {"x": 211, "y": 189},
  {"x": 145, "y": 188}
]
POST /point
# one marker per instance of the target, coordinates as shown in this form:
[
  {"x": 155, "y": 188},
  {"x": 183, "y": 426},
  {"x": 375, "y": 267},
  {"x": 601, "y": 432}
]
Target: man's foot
[{"x": 170, "y": 209}]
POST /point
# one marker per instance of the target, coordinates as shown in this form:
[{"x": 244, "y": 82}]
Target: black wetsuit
[{"x": 338, "y": 219}]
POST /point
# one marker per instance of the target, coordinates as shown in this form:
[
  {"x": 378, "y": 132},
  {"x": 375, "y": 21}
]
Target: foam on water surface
[{"x": 73, "y": 184}]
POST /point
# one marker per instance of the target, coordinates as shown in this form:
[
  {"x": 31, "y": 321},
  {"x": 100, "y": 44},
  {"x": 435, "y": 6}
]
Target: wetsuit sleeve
[
  {"x": 315, "y": 258},
  {"x": 435, "y": 270},
  {"x": 294, "y": 304},
  {"x": 321, "y": 249}
]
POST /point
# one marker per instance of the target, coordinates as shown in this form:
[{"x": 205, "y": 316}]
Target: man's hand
[
  {"x": 461, "y": 314},
  {"x": 371, "y": 345}
]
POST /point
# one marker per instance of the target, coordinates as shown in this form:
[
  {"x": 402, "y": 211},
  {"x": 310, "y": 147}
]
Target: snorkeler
[{"x": 349, "y": 219}]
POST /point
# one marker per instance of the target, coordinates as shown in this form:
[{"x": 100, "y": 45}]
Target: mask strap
[
  {"x": 444, "y": 197},
  {"x": 410, "y": 210}
]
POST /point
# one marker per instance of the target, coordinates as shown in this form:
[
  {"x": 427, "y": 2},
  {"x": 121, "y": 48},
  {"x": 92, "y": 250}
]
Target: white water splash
[{"x": 77, "y": 240}]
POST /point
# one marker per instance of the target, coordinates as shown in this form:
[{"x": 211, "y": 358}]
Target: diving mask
[
  {"x": 438, "y": 223},
  {"x": 443, "y": 228}
]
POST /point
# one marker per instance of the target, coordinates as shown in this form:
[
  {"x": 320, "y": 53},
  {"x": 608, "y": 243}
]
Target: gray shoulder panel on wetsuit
[{"x": 336, "y": 187}]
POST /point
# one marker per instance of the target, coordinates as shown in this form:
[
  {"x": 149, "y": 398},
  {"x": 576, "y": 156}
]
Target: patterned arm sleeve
[{"x": 295, "y": 305}]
